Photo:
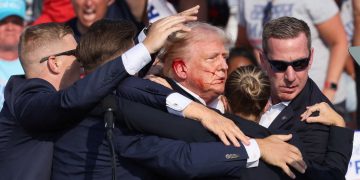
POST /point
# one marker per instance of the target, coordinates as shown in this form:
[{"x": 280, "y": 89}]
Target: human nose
[
  {"x": 88, "y": 2},
  {"x": 223, "y": 64},
  {"x": 290, "y": 74},
  {"x": 10, "y": 25}
]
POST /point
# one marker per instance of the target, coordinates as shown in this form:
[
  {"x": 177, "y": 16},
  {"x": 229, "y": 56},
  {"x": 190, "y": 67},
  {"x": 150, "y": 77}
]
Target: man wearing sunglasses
[{"x": 287, "y": 57}]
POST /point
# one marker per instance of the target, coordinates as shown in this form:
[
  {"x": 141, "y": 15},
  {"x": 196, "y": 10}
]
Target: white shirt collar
[
  {"x": 216, "y": 103},
  {"x": 274, "y": 110}
]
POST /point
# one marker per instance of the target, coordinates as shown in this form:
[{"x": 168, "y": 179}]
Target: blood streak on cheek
[
  {"x": 201, "y": 83},
  {"x": 208, "y": 79}
]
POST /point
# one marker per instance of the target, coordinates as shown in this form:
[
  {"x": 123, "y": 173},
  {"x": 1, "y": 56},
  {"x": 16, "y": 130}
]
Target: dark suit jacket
[
  {"x": 82, "y": 152},
  {"x": 316, "y": 137},
  {"x": 34, "y": 112},
  {"x": 336, "y": 152}
]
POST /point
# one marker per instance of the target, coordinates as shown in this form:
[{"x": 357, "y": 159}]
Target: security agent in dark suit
[
  {"x": 86, "y": 140},
  {"x": 214, "y": 43},
  {"x": 318, "y": 148},
  {"x": 166, "y": 125},
  {"x": 43, "y": 102},
  {"x": 287, "y": 57}
]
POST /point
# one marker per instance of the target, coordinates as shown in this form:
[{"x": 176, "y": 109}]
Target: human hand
[
  {"x": 223, "y": 127},
  {"x": 158, "y": 80},
  {"x": 326, "y": 116},
  {"x": 275, "y": 151},
  {"x": 161, "y": 29}
]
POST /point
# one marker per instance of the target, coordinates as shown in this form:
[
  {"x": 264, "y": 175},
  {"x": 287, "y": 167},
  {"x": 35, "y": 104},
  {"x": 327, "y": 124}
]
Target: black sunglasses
[
  {"x": 66, "y": 53},
  {"x": 281, "y": 66}
]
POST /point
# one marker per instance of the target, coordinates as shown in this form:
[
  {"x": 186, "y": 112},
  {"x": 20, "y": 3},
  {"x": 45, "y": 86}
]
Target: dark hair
[
  {"x": 242, "y": 52},
  {"x": 105, "y": 40},
  {"x": 248, "y": 90},
  {"x": 285, "y": 28}
]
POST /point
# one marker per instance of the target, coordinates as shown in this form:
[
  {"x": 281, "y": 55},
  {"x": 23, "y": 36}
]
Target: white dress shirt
[{"x": 269, "y": 116}]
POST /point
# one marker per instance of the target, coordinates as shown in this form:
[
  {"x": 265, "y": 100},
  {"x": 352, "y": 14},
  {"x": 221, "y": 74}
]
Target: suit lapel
[
  {"x": 285, "y": 116},
  {"x": 293, "y": 109},
  {"x": 180, "y": 90}
]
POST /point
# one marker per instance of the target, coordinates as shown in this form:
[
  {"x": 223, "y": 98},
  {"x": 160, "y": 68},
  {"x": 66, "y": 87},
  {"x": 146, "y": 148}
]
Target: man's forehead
[{"x": 287, "y": 47}]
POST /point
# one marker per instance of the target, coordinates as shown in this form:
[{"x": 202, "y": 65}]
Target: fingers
[
  {"x": 305, "y": 115},
  {"x": 241, "y": 136},
  {"x": 283, "y": 137},
  {"x": 309, "y": 111},
  {"x": 168, "y": 22},
  {"x": 234, "y": 133},
  {"x": 192, "y": 11},
  {"x": 312, "y": 120},
  {"x": 232, "y": 138},
  {"x": 165, "y": 24},
  {"x": 175, "y": 29},
  {"x": 296, "y": 162},
  {"x": 172, "y": 20},
  {"x": 227, "y": 130},
  {"x": 223, "y": 138},
  {"x": 287, "y": 171}
]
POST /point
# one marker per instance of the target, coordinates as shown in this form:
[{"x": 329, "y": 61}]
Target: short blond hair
[{"x": 39, "y": 36}]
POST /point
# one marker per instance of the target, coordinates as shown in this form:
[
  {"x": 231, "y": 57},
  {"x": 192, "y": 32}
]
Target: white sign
[{"x": 353, "y": 172}]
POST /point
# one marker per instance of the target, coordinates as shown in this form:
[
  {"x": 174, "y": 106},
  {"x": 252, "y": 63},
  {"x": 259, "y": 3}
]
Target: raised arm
[
  {"x": 60, "y": 106},
  {"x": 336, "y": 41}
]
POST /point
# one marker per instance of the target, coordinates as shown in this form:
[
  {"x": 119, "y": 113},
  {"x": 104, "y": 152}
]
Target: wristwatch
[{"x": 331, "y": 85}]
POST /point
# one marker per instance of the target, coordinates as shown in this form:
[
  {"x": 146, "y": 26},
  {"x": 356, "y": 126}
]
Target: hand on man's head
[{"x": 163, "y": 28}]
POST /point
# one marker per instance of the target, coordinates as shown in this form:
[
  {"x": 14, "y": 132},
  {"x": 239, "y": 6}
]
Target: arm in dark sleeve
[
  {"x": 145, "y": 119},
  {"x": 340, "y": 147},
  {"x": 144, "y": 91},
  {"x": 41, "y": 109},
  {"x": 181, "y": 160},
  {"x": 337, "y": 157}
]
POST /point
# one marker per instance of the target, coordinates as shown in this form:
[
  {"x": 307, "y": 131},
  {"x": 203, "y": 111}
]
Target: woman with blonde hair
[{"x": 248, "y": 91}]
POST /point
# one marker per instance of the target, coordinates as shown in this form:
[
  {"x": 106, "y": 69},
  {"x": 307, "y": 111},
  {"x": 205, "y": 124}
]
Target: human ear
[
  {"x": 179, "y": 68},
  {"x": 53, "y": 65}
]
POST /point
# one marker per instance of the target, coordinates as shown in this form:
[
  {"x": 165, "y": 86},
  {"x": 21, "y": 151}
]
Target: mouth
[
  {"x": 89, "y": 14},
  {"x": 288, "y": 89},
  {"x": 219, "y": 81}
]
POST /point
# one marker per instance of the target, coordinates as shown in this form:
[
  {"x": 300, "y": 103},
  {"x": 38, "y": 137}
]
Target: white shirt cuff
[
  {"x": 253, "y": 152},
  {"x": 141, "y": 37},
  {"x": 176, "y": 103},
  {"x": 136, "y": 58}
]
